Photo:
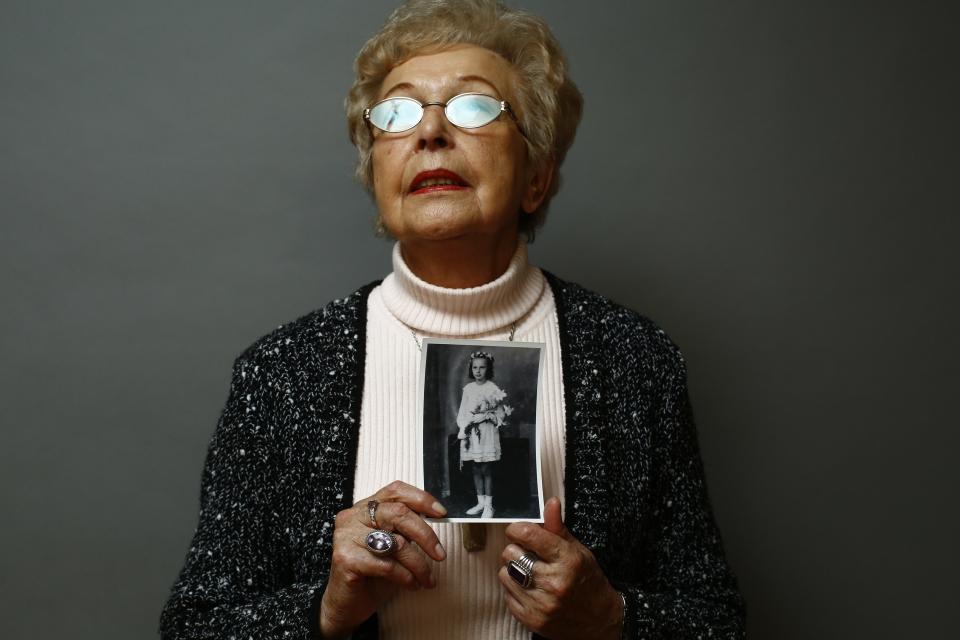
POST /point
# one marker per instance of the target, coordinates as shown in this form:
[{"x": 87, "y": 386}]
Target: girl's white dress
[{"x": 482, "y": 413}]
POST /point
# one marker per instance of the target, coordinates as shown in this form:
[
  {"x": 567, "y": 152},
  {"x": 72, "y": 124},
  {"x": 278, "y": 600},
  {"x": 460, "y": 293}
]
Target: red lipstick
[{"x": 437, "y": 180}]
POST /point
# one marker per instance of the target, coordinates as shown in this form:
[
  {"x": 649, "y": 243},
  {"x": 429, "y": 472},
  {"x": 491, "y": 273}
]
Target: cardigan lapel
[{"x": 585, "y": 491}]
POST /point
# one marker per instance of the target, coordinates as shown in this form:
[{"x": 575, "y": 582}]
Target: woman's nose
[{"x": 433, "y": 132}]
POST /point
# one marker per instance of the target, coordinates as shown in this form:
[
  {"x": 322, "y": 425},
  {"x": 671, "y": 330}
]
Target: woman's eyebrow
[
  {"x": 407, "y": 86},
  {"x": 400, "y": 85},
  {"x": 465, "y": 79}
]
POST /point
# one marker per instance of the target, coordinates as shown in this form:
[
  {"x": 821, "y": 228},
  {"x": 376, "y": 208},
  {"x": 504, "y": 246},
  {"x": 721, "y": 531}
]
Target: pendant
[{"x": 474, "y": 536}]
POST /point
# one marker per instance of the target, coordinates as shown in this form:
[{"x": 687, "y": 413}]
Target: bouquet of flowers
[{"x": 491, "y": 408}]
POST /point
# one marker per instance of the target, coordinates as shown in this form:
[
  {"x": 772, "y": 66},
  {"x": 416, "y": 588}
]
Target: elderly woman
[{"x": 462, "y": 112}]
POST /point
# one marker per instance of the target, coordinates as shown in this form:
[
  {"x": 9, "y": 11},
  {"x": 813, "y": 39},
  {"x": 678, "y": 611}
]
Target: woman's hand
[
  {"x": 361, "y": 581},
  {"x": 570, "y": 596}
]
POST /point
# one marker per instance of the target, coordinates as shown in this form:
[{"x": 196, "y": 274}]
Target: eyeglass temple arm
[{"x": 506, "y": 108}]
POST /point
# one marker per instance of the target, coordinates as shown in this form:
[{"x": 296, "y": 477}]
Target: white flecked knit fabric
[{"x": 467, "y": 601}]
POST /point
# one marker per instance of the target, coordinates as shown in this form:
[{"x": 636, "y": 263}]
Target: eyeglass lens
[{"x": 469, "y": 111}]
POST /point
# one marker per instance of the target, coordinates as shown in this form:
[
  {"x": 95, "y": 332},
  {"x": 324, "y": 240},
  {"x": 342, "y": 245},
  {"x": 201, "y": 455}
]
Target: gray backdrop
[{"x": 774, "y": 183}]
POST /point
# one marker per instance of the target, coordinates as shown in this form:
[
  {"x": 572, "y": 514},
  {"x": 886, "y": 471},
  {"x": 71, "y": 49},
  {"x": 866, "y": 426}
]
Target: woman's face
[
  {"x": 493, "y": 181},
  {"x": 479, "y": 369}
]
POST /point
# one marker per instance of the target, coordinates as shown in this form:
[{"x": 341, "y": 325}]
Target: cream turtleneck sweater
[{"x": 468, "y": 600}]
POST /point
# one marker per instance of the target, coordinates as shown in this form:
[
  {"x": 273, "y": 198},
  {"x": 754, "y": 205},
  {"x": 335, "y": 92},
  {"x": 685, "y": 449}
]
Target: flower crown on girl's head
[{"x": 481, "y": 354}]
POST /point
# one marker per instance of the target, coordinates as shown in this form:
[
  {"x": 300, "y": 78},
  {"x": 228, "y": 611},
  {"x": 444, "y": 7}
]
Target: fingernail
[
  {"x": 441, "y": 551},
  {"x": 439, "y": 508}
]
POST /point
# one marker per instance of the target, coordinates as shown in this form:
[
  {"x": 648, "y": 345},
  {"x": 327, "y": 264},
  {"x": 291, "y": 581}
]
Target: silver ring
[
  {"x": 380, "y": 542},
  {"x": 372, "y": 512},
  {"x": 521, "y": 569}
]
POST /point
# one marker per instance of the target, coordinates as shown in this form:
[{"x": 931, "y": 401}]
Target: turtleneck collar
[{"x": 437, "y": 310}]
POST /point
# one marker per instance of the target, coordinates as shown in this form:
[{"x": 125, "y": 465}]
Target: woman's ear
[{"x": 538, "y": 187}]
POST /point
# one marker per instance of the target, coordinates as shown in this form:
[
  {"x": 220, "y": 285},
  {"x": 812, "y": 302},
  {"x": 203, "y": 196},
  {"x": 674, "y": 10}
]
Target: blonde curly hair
[{"x": 549, "y": 106}]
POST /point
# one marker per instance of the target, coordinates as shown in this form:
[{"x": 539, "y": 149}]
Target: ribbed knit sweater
[
  {"x": 400, "y": 312},
  {"x": 282, "y": 463}
]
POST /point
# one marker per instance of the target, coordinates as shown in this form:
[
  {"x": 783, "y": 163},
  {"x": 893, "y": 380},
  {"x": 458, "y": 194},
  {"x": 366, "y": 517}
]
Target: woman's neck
[{"x": 459, "y": 263}]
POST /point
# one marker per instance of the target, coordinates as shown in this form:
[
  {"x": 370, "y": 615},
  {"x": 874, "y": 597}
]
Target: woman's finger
[
  {"x": 408, "y": 556},
  {"x": 530, "y": 617},
  {"x": 512, "y": 587},
  {"x": 542, "y": 575},
  {"x": 417, "y": 499},
  {"x": 514, "y": 552},
  {"x": 548, "y": 546},
  {"x": 533, "y": 607},
  {"x": 553, "y": 519},
  {"x": 517, "y": 608},
  {"x": 406, "y": 566},
  {"x": 532, "y": 598},
  {"x": 358, "y": 561},
  {"x": 398, "y": 517}
]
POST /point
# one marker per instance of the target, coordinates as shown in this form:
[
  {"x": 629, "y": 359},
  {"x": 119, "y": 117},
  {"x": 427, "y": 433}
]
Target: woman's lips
[{"x": 437, "y": 180}]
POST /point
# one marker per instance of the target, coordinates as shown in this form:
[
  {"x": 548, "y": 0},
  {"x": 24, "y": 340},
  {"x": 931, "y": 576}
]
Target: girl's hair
[
  {"x": 549, "y": 103},
  {"x": 480, "y": 355}
]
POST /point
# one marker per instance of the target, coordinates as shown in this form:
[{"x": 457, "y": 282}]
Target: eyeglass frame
[{"x": 504, "y": 108}]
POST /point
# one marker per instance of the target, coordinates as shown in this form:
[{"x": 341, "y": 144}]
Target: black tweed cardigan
[{"x": 281, "y": 463}]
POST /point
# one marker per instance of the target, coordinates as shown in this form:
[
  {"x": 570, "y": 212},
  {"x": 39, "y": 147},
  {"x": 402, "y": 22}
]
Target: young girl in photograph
[{"x": 482, "y": 413}]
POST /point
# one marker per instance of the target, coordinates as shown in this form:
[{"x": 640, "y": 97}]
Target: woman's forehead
[{"x": 434, "y": 75}]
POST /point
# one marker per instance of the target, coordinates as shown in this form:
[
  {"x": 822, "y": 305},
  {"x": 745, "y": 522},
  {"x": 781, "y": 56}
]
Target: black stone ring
[
  {"x": 521, "y": 570},
  {"x": 380, "y": 542}
]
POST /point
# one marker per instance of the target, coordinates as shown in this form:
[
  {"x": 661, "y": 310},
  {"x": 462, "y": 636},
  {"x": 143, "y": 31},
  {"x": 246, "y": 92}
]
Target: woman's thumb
[{"x": 553, "y": 517}]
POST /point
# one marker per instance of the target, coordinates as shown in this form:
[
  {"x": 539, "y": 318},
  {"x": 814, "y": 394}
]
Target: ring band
[
  {"x": 380, "y": 542},
  {"x": 521, "y": 569},
  {"x": 372, "y": 512}
]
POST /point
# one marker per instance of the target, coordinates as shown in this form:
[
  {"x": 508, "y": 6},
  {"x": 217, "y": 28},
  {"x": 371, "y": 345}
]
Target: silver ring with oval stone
[{"x": 380, "y": 542}]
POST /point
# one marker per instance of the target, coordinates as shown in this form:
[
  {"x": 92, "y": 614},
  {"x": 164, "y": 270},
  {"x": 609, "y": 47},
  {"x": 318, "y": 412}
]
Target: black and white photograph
[{"x": 479, "y": 429}]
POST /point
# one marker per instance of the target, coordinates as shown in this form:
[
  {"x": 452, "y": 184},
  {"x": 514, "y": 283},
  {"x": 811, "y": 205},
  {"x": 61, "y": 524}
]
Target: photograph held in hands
[{"x": 479, "y": 429}]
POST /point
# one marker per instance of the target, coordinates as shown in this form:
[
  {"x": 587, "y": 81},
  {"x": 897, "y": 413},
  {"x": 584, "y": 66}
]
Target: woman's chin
[
  {"x": 434, "y": 220},
  {"x": 435, "y": 228}
]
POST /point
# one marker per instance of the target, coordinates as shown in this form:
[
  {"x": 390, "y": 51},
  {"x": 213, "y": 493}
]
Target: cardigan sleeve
[
  {"x": 688, "y": 590},
  {"x": 235, "y": 582}
]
